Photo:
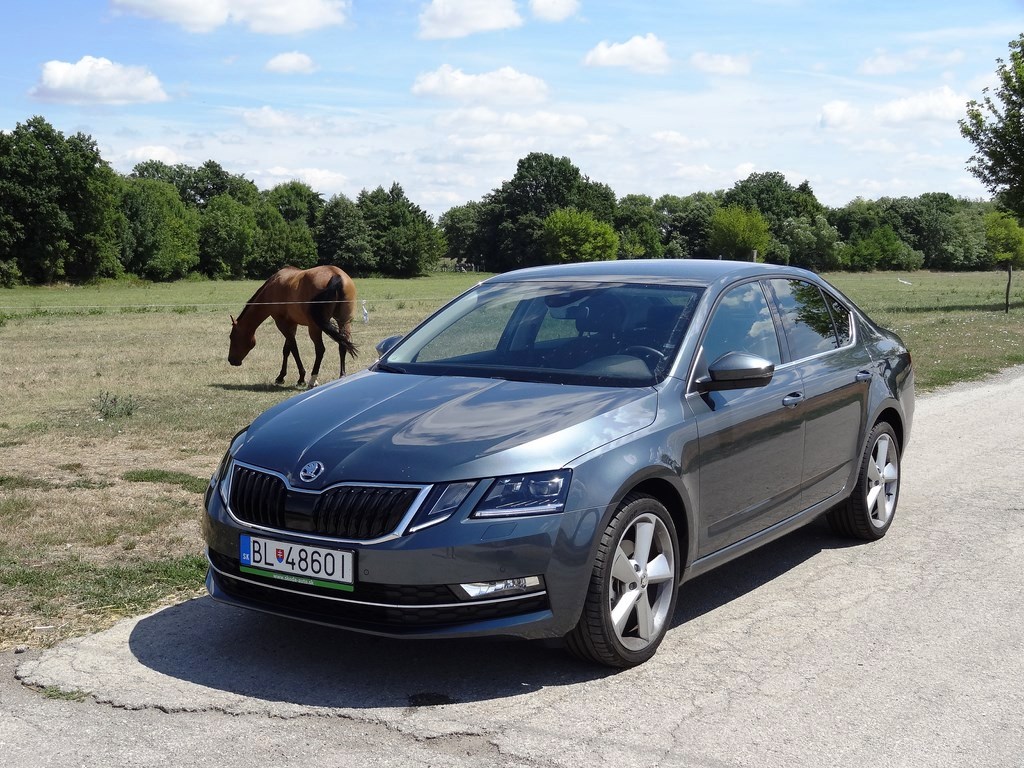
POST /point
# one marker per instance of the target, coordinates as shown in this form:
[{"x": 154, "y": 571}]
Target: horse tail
[{"x": 321, "y": 312}]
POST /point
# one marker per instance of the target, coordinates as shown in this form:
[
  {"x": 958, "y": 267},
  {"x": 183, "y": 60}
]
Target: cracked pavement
[{"x": 812, "y": 651}]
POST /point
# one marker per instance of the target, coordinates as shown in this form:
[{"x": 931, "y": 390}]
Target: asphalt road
[{"x": 810, "y": 652}]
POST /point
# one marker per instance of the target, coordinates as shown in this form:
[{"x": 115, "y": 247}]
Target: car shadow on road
[{"x": 274, "y": 659}]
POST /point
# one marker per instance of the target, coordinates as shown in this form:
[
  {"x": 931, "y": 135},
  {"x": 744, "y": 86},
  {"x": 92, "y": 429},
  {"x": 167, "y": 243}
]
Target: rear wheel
[
  {"x": 868, "y": 513},
  {"x": 632, "y": 593}
]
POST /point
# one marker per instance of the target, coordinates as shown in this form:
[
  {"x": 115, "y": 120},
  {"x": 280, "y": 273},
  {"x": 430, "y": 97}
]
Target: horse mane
[{"x": 253, "y": 298}]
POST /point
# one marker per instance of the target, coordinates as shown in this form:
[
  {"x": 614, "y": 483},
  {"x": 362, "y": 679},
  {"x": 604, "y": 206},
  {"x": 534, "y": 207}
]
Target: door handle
[
  {"x": 793, "y": 399},
  {"x": 863, "y": 376}
]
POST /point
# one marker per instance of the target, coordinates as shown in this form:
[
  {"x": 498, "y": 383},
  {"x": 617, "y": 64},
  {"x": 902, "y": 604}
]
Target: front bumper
[{"x": 404, "y": 586}]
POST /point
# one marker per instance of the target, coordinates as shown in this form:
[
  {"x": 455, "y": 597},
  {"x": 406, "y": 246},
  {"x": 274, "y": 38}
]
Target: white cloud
[
  {"x": 554, "y": 10},
  {"x": 97, "y": 81},
  {"x": 270, "y": 120},
  {"x": 884, "y": 63},
  {"x": 444, "y": 19},
  {"x": 838, "y": 114},
  {"x": 676, "y": 140},
  {"x": 293, "y": 63},
  {"x": 641, "y": 54},
  {"x": 504, "y": 85},
  {"x": 720, "y": 63},
  {"x": 271, "y": 17},
  {"x": 149, "y": 152},
  {"x": 941, "y": 104},
  {"x": 534, "y": 122}
]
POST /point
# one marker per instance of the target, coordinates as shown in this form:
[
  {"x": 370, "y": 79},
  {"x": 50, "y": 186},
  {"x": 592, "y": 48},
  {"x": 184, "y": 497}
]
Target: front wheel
[
  {"x": 632, "y": 593},
  {"x": 868, "y": 513}
]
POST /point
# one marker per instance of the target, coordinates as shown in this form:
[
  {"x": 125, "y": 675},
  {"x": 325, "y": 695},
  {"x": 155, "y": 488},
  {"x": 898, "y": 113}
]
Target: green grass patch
[
  {"x": 16, "y": 482},
  {"x": 186, "y": 481}
]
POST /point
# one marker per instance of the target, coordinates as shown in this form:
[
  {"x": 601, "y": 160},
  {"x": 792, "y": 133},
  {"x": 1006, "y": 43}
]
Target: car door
[
  {"x": 836, "y": 376},
  {"x": 750, "y": 440}
]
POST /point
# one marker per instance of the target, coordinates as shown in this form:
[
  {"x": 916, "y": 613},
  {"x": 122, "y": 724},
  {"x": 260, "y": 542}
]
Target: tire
[
  {"x": 632, "y": 592},
  {"x": 869, "y": 511}
]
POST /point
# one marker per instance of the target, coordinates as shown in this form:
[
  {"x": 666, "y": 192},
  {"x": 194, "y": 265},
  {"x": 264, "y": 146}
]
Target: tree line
[{"x": 65, "y": 215}]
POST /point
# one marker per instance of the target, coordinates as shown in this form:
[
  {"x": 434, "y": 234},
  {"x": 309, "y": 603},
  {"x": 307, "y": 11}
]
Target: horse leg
[
  {"x": 290, "y": 347},
  {"x": 318, "y": 345},
  {"x": 284, "y": 361},
  {"x": 298, "y": 363}
]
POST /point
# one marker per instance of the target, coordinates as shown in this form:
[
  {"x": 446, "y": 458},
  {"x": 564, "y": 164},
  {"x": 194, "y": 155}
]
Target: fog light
[{"x": 502, "y": 588}]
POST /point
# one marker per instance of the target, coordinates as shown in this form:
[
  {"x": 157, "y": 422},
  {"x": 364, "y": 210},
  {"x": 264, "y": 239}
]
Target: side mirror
[
  {"x": 383, "y": 347},
  {"x": 736, "y": 370}
]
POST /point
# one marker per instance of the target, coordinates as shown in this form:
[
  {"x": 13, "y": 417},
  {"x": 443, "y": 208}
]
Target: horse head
[{"x": 242, "y": 342}]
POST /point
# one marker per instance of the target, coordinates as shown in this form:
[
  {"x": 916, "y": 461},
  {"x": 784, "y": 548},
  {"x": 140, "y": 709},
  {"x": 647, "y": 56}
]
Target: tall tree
[
  {"x": 638, "y": 225},
  {"x": 686, "y": 224},
  {"x": 160, "y": 239},
  {"x": 512, "y": 217},
  {"x": 995, "y": 126},
  {"x": 342, "y": 237},
  {"x": 405, "y": 240},
  {"x": 227, "y": 237},
  {"x": 58, "y": 206}
]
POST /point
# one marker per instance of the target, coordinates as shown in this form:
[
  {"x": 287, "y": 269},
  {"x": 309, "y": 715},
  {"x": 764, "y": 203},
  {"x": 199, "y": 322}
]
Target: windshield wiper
[{"x": 382, "y": 366}]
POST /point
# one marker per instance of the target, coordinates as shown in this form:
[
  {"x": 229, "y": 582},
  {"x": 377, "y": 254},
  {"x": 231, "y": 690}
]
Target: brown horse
[{"x": 294, "y": 297}]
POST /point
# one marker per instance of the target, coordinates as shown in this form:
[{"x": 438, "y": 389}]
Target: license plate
[{"x": 297, "y": 563}]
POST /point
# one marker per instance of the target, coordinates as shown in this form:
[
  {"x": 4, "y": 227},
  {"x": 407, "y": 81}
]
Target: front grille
[
  {"x": 359, "y": 512},
  {"x": 354, "y": 512},
  {"x": 258, "y": 498}
]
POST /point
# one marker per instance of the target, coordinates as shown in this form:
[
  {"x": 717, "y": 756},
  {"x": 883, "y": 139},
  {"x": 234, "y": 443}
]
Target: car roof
[{"x": 694, "y": 271}]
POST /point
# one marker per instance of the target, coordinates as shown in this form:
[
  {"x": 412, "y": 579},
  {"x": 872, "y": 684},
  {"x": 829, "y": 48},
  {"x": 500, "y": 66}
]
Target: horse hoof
[
  {"x": 279, "y": 382},
  {"x": 313, "y": 383}
]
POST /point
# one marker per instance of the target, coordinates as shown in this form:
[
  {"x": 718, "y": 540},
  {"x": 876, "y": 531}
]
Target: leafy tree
[
  {"x": 461, "y": 227},
  {"x": 738, "y": 233},
  {"x": 597, "y": 198},
  {"x": 686, "y": 224},
  {"x": 271, "y": 245},
  {"x": 297, "y": 201},
  {"x": 812, "y": 243},
  {"x": 342, "y": 237},
  {"x": 995, "y": 126},
  {"x": 573, "y": 236},
  {"x": 227, "y": 237},
  {"x": 58, "y": 206},
  {"x": 774, "y": 198},
  {"x": 405, "y": 240},
  {"x": 1006, "y": 239},
  {"x": 197, "y": 186},
  {"x": 857, "y": 219},
  {"x": 882, "y": 249},
  {"x": 638, "y": 225},
  {"x": 160, "y": 239},
  {"x": 512, "y": 216}
]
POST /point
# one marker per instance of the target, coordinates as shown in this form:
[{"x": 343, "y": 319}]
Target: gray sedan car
[{"x": 557, "y": 450}]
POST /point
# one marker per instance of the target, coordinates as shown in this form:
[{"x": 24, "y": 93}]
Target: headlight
[
  {"x": 542, "y": 493},
  {"x": 222, "y": 477}
]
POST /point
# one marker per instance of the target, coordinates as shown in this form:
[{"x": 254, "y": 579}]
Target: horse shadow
[
  {"x": 275, "y": 659},
  {"x": 268, "y": 387}
]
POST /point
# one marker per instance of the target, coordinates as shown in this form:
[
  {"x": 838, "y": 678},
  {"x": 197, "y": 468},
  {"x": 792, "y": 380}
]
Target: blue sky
[{"x": 444, "y": 96}]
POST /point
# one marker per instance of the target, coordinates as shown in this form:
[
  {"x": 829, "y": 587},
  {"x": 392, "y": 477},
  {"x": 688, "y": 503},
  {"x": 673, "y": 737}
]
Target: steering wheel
[{"x": 649, "y": 355}]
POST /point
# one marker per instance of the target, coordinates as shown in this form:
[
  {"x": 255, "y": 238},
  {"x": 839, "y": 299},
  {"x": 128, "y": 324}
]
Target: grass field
[{"x": 118, "y": 403}]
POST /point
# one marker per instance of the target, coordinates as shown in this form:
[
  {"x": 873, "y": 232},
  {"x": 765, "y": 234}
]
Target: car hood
[{"x": 385, "y": 427}]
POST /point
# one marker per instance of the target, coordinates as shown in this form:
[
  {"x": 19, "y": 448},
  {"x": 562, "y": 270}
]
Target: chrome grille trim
[{"x": 272, "y": 505}]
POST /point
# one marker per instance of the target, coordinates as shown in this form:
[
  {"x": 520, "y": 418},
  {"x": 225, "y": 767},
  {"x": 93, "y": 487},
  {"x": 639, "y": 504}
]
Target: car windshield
[{"x": 567, "y": 332}]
